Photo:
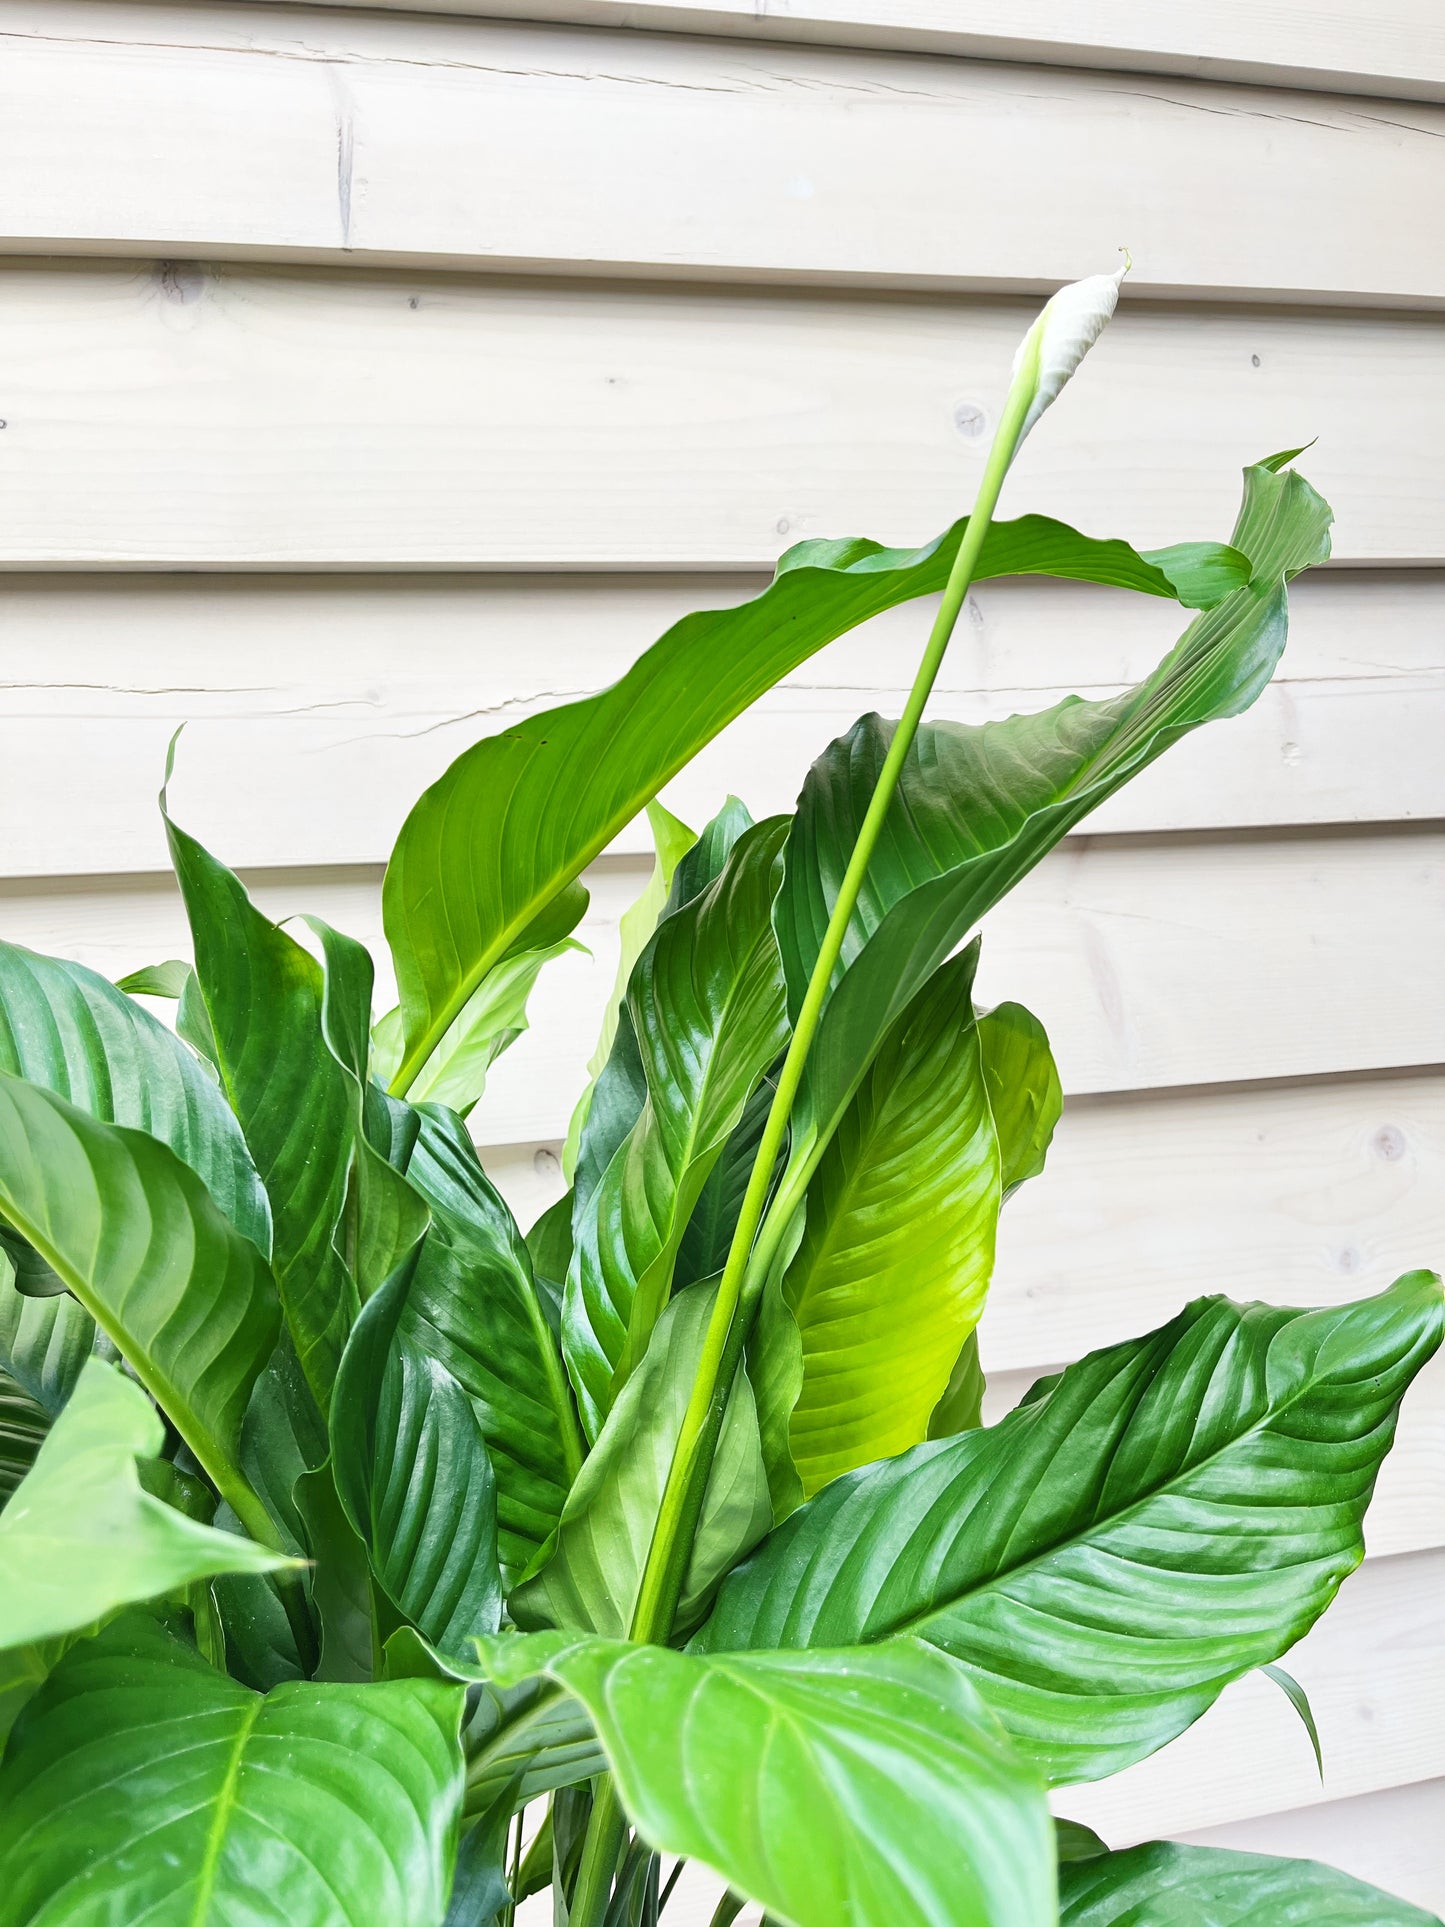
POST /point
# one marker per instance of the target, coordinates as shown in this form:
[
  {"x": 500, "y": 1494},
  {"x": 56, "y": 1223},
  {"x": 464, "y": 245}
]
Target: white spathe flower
[{"x": 1071, "y": 322}]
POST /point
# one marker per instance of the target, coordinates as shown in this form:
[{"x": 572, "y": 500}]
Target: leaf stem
[
  {"x": 605, "y": 1827},
  {"x": 722, "y": 1346}
]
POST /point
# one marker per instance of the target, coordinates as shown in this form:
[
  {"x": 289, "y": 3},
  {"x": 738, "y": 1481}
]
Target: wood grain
[
  {"x": 1397, "y": 50},
  {"x": 210, "y": 130},
  {"x": 200, "y": 418}
]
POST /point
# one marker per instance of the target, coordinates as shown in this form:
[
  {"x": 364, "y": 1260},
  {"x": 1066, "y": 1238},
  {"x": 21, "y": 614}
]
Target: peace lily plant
[{"x": 346, "y": 1524}]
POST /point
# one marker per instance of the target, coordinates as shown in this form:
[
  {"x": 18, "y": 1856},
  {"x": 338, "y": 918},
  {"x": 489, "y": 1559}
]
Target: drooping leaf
[
  {"x": 412, "y": 1470},
  {"x": 827, "y": 1786},
  {"x": 1164, "y": 1885},
  {"x": 671, "y": 840},
  {"x": 898, "y": 1253},
  {"x": 978, "y": 806},
  {"x": 472, "y": 1306},
  {"x": 166, "y": 979},
  {"x": 81, "y": 1537},
  {"x": 63, "y": 1026},
  {"x": 1299, "y": 1699},
  {"x": 136, "y": 1237},
  {"x": 263, "y": 994},
  {"x": 1024, "y": 1091},
  {"x": 1045, "y": 1551},
  {"x": 592, "y": 1580},
  {"x": 141, "y": 1784},
  {"x": 487, "y": 860},
  {"x": 706, "y": 1007},
  {"x": 492, "y": 1020}
]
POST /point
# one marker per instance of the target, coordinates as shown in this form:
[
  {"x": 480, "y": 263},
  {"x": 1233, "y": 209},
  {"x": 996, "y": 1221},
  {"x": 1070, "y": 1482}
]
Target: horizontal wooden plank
[
  {"x": 219, "y": 417},
  {"x": 1301, "y": 1194},
  {"x": 1397, "y": 50},
  {"x": 1392, "y": 1838},
  {"x": 318, "y": 709},
  {"x": 216, "y": 130},
  {"x": 1374, "y": 1668},
  {"x": 1154, "y": 964}
]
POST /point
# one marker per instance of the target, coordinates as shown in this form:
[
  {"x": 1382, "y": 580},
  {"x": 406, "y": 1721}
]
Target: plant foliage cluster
[{"x": 342, "y": 1521}]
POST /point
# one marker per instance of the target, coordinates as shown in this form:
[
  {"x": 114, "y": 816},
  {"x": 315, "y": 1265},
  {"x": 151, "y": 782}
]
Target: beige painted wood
[
  {"x": 210, "y": 130},
  {"x": 1397, "y": 50},
  {"x": 201, "y": 418},
  {"x": 318, "y": 709},
  {"x": 1374, "y": 1668},
  {"x": 1394, "y": 1839}
]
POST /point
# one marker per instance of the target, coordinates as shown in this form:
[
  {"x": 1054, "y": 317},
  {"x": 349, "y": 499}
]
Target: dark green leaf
[
  {"x": 978, "y": 806},
  {"x": 473, "y": 1307},
  {"x": 136, "y": 1237},
  {"x": 81, "y": 1537},
  {"x": 66, "y": 1028},
  {"x": 412, "y": 1471},
  {"x": 44, "y": 1342},
  {"x": 841, "y": 1786},
  {"x": 706, "y": 1007},
  {"x": 23, "y": 1425},
  {"x": 141, "y": 1784},
  {"x": 263, "y": 994},
  {"x": 487, "y": 860},
  {"x": 1045, "y": 1552},
  {"x": 1163, "y": 1885},
  {"x": 897, "y": 1256},
  {"x": 591, "y": 1581},
  {"x": 704, "y": 1248},
  {"x": 340, "y": 1579}
]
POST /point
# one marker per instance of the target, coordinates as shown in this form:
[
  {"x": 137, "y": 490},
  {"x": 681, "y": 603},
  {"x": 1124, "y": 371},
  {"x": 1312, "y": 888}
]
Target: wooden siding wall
[{"x": 369, "y": 377}]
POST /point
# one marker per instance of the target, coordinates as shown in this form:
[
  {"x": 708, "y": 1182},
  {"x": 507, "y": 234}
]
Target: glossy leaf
[
  {"x": 412, "y": 1471},
  {"x": 1163, "y": 1885},
  {"x": 44, "y": 1342},
  {"x": 136, "y": 1237},
  {"x": 80, "y": 1536},
  {"x": 1024, "y": 1091},
  {"x": 473, "y": 1307},
  {"x": 706, "y": 1007},
  {"x": 827, "y": 1786},
  {"x": 1152, "y": 1523},
  {"x": 141, "y": 1784},
  {"x": 592, "y": 1580},
  {"x": 895, "y": 1262},
  {"x": 492, "y": 1020},
  {"x": 263, "y": 994},
  {"x": 63, "y": 1026},
  {"x": 978, "y": 805},
  {"x": 487, "y": 860},
  {"x": 961, "y": 1407},
  {"x": 671, "y": 839},
  {"x": 23, "y": 1426},
  {"x": 709, "y": 1234},
  {"x": 166, "y": 979}
]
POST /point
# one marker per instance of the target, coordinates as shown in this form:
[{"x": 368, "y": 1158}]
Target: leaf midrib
[{"x": 225, "y": 1806}]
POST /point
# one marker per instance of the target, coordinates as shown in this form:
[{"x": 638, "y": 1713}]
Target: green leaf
[
  {"x": 978, "y": 806},
  {"x": 80, "y": 1536},
  {"x": 135, "y": 1236},
  {"x": 1163, "y": 1885},
  {"x": 63, "y": 1026},
  {"x": 709, "y": 1234},
  {"x": 473, "y": 1307},
  {"x": 167, "y": 979},
  {"x": 44, "y": 1342},
  {"x": 23, "y": 1425},
  {"x": 671, "y": 839},
  {"x": 492, "y": 1020},
  {"x": 1299, "y": 1699},
  {"x": 827, "y": 1786},
  {"x": 412, "y": 1471},
  {"x": 961, "y": 1407},
  {"x": 1024, "y": 1091},
  {"x": 141, "y": 1784},
  {"x": 263, "y": 994},
  {"x": 340, "y": 1579},
  {"x": 487, "y": 860},
  {"x": 1152, "y": 1523},
  {"x": 592, "y": 1580},
  {"x": 895, "y": 1262},
  {"x": 706, "y": 1007}
]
